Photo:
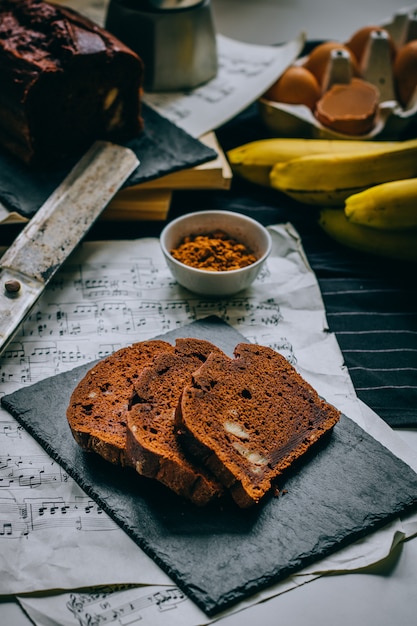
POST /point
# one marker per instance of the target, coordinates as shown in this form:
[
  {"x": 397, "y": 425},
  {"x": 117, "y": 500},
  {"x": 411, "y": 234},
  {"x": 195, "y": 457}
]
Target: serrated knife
[{"x": 58, "y": 226}]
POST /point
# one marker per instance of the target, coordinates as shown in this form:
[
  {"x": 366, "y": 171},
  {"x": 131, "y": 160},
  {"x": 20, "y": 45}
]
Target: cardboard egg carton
[{"x": 393, "y": 120}]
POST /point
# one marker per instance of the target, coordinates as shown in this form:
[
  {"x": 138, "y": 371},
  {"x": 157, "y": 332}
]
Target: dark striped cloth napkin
[
  {"x": 375, "y": 323},
  {"x": 371, "y": 306}
]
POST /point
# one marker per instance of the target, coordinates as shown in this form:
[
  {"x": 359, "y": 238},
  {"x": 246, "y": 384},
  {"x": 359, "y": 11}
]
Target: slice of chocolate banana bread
[
  {"x": 65, "y": 82},
  {"x": 249, "y": 418},
  {"x": 151, "y": 443},
  {"x": 97, "y": 409}
]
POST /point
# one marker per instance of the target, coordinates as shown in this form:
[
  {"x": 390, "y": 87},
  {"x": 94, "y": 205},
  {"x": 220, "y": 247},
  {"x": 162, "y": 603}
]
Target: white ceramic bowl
[{"x": 224, "y": 283}]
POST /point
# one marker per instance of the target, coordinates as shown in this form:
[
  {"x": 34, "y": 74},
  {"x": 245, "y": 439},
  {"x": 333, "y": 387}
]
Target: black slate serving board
[
  {"x": 350, "y": 486},
  {"x": 162, "y": 148}
]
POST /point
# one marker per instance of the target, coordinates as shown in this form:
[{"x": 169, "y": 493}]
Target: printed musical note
[
  {"x": 10, "y": 429},
  {"x": 6, "y": 528}
]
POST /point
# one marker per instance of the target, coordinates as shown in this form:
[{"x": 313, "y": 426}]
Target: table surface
[{"x": 385, "y": 594}]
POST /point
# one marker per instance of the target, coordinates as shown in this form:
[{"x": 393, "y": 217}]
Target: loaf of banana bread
[{"x": 65, "y": 82}]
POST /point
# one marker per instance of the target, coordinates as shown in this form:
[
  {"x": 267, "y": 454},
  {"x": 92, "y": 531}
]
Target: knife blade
[{"x": 58, "y": 226}]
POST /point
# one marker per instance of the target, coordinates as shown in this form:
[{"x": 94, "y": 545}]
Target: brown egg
[
  {"x": 318, "y": 59},
  {"x": 295, "y": 86},
  {"x": 359, "y": 40},
  {"x": 405, "y": 71},
  {"x": 349, "y": 109}
]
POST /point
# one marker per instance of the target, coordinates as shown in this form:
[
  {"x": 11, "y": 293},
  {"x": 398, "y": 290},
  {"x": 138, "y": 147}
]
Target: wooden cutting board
[{"x": 218, "y": 556}]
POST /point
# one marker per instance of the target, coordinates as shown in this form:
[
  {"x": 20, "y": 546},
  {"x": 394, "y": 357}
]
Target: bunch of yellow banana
[
  {"x": 367, "y": 190},
  {"x": 324, "y": 172}
]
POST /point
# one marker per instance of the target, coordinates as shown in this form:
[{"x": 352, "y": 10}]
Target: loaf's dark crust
[
  {"x": 151, "y": 444},
  {"x": 97, "y": 409},
  {"x": 250, "y": 418},
  {"x": 65, "y": 82}
]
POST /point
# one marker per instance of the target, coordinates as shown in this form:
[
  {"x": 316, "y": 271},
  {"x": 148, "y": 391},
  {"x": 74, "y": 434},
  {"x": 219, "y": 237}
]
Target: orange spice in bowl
[
  {"x": 217, "y": 280},
  {"x": 215, "y": 252}
]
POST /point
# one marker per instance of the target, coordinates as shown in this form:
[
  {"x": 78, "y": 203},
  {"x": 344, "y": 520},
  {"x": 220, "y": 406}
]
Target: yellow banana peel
[
  {"x": 397, "y": 245},
  {"x": 389, "y": 206}
]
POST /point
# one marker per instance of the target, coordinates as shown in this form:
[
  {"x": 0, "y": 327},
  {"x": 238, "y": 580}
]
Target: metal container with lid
[{"x": 175, "y": 39}]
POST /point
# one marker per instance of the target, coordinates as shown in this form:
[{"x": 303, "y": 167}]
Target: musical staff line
[{"x": 20, "y": 519}]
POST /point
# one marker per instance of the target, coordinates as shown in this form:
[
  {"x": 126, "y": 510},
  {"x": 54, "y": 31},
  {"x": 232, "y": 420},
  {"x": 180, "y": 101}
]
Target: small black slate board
[
  {"x": 162, "y": 148},
  {"x": 347, "y": 488}
]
